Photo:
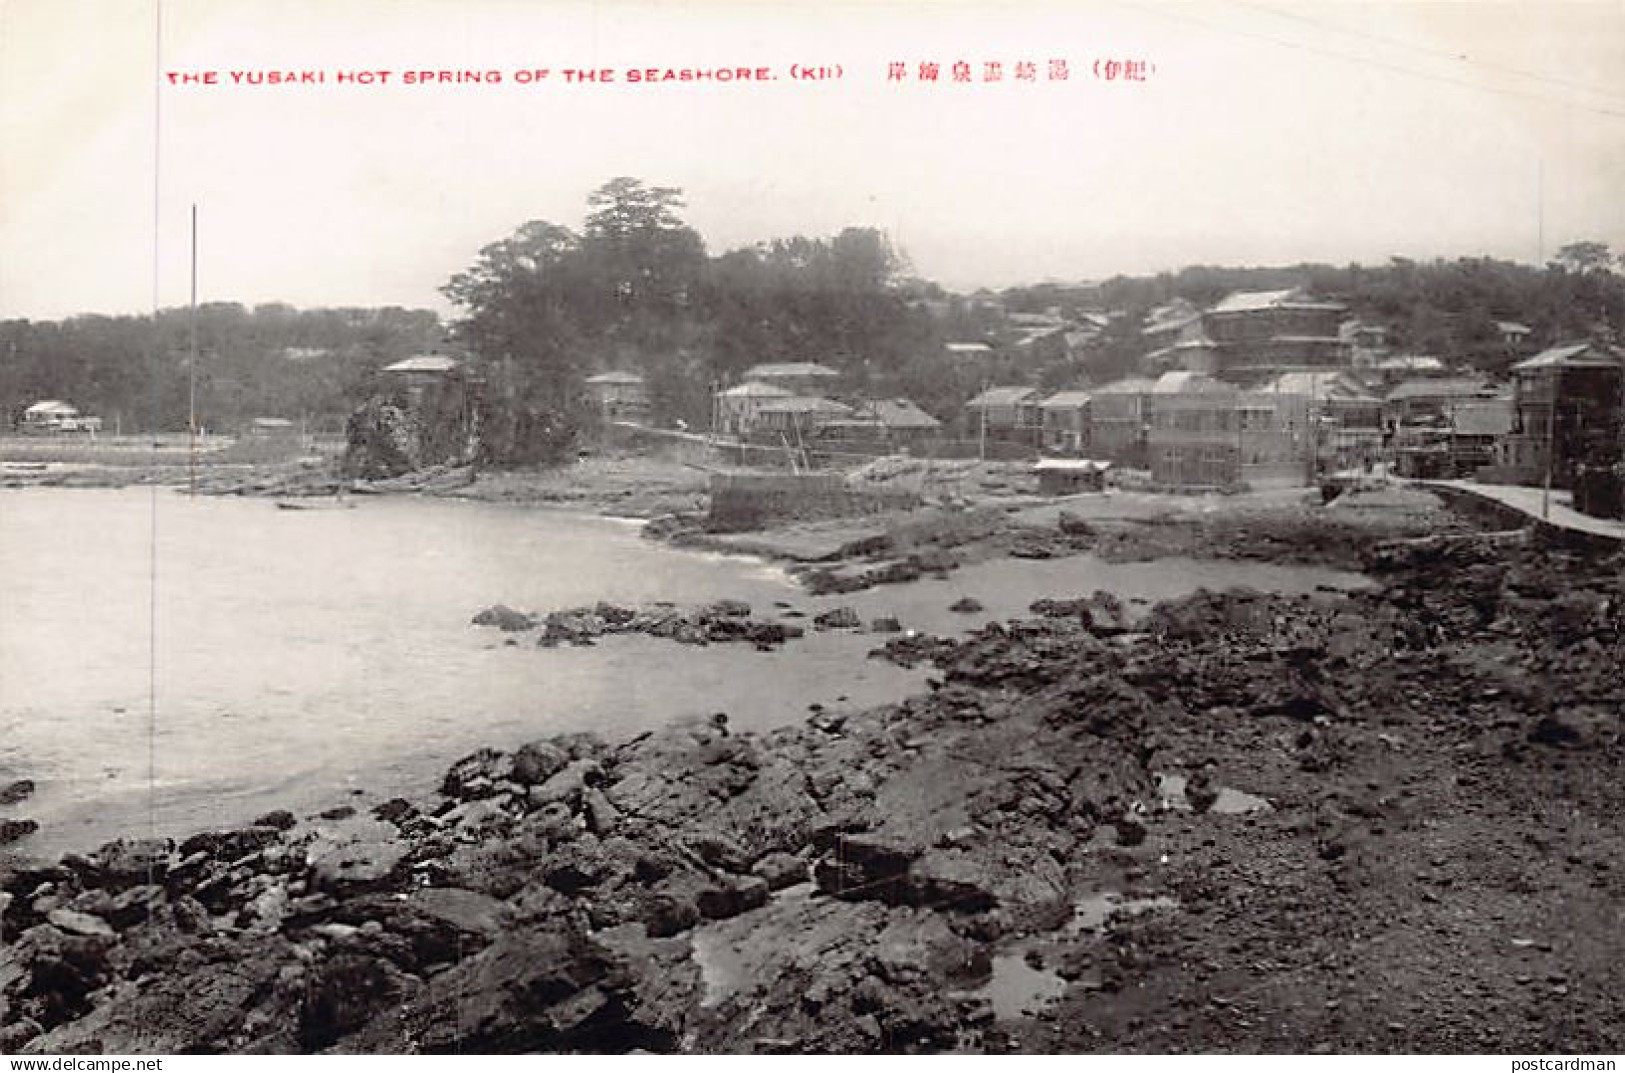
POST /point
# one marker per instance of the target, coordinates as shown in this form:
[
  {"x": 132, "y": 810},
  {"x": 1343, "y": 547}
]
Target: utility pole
[{"x": 191, "y": 372}]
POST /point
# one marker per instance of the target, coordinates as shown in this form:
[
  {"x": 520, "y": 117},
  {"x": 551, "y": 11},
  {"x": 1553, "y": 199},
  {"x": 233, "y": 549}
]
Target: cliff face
[{"x": 393, "y": 434}]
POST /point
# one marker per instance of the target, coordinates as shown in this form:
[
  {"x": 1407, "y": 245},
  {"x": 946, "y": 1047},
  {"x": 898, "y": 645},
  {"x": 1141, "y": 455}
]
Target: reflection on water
[{"x": 1228, "y": 802}]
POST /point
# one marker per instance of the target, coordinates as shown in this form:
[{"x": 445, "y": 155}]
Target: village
[{"x": 1343, "y": 810}]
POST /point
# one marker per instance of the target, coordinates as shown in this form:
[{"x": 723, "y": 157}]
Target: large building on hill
[
  {"x": 1262, "y": 334},
  {"x": 1250, "y": 336}
]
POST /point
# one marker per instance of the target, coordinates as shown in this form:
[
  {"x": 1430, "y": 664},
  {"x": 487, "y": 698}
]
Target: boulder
[
  {"x": 537, "y": 762},
  {"x": 281, "y": 819},
  {"x": 75, "y": 923},
  {"x": 16, "y": 791},
  {"x": 565, "y": 785},
  {"x": 839, "y": 618},
  {"x": 735, "y": 895},
  {"x": 359, "y": 855},
  {"x": 12, "y": 830},
  {"x": 780, "y": 870},
  {"x": 477, "y": 774},
  {"x": 130, "y": 862},
  {"x": 505, "y": 619}
]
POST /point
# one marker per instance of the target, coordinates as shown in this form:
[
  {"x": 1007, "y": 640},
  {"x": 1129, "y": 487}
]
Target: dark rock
[
  {"x": 1074, "y": 526},
  {"x": 966, "y": 605},
  {"x": 839, "y": 618},
  {"x": 342, "y": 812},
  {"x": 16, "y": 1035},
  {"x": 396, "y": 810},
  {"x": 12, "y": 830},
  {"x": 281, "y": 819},
  {"x": 567, "y": 784},
  {"x": 63, "y": 970},
  {"x": 505, "y": 618},
  {"x": 886, "y": 624},
  {"x": 601, "y": 815},
  {"x": 665, "y": 915},
  {"x": 728, "y": 609},
  {"x": 531, "y": 990},
  {"x": 780, "y": 870},
  {"x": 363, "y": 856},
  {"x": 16, "y": 791},
  {"x": 736, "y": 895},
  {"x": 537, "y": 762},
  {"x": 477, "y": 774},
  {"x": 342, "y": 994},
  {"x": 127, "y": 863},
  {"x": 76, "y": 923}
]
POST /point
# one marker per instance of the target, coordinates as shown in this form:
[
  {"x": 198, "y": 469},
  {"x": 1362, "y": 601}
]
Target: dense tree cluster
[
  {"x": 636, "y": 290},
  {"x": 269, "y": 361}
]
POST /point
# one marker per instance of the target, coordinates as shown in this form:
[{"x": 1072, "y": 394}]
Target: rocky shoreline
[{"x": 1370, "y": 821}]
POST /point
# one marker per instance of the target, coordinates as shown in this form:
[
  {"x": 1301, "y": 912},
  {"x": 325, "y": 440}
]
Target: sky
[{"x": 1266, "y": 132}]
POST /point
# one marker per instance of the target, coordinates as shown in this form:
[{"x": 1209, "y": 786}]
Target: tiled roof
[
  {"x": 1255, "y": 301},
  {"x": 755, "y": 389},
  {"x": 1570, "y": 356},
  {"x": 804, "y": 404},
  {"x": 615, "y": 377},
  {"x": 788, "y": 368},
  {"x": 1441, "y": 388},
  {"x": 424, "y": 363},
  {"x": 1003, "y": 396},
  {"x": 897, "y": 413}
]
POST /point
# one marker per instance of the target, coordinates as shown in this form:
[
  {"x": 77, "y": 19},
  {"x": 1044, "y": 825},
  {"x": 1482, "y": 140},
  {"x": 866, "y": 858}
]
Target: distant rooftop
[
  {"x": 1332, "y": 384},
  {"x": 1415, "y": 363},
  {"x": 1182, "y": 382},
  {"x": 772, "y": 370},
  {"x": 1570, "y": 356},
  {"x": 615, "y": 376},
  {"x": 755, "y": 389},
  {"x": 1004, "y": 396},
  {"x": 896, "y": 413},
  {"x": 804, "y": 404},
  {"x": 1065, "y": 400},
  {"x": 424, "y": 363},
  {"x": 1442, "y": 388},
  {"x": 1257, "y": 301},
  {"x": 52, "y": 406}
]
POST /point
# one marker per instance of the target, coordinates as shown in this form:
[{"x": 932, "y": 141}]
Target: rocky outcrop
[
  {"x": 723, "y": 622},
  {"x": 849, "y": 884}
]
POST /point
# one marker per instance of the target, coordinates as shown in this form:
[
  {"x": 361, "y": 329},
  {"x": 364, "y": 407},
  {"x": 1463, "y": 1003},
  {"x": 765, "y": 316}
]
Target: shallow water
[
  {"x": 1007, "y": 587},
  {"x": 303, "y": 654},
  {"x": 1230, "y": 802},
  {"x": 169, "y": 664}
]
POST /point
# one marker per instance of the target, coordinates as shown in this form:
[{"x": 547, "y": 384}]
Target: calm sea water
[{"x": 170, "y": 664}]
